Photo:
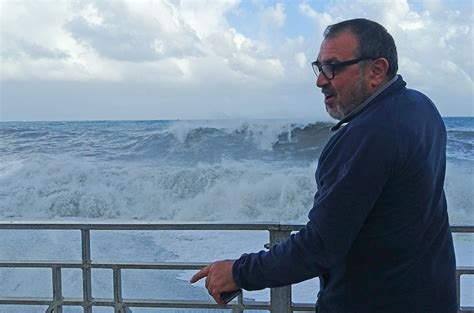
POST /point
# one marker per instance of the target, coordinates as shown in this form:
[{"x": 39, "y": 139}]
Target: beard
[{"x": 351, "y": 101}]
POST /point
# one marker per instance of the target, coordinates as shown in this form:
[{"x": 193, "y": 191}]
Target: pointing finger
[{"x": 202, "y": 273}]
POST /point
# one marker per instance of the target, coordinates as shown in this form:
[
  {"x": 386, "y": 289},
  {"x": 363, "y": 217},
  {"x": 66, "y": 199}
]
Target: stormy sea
[{"x": 174, "y": 171}]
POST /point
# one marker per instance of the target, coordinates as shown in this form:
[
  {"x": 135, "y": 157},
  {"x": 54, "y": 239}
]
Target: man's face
[{"x": 349, "y": 87}]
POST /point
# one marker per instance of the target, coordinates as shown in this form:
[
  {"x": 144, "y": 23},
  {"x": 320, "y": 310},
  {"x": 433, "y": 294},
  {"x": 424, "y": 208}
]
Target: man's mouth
[{"x": 328, "y": 96}]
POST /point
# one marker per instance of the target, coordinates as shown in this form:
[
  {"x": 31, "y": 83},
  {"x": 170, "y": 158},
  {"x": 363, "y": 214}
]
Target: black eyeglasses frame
[{"x": 319, "y": 68}]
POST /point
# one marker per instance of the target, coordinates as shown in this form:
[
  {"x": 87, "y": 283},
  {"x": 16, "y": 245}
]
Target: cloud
[
  {"x": 20, "y": 35},
  {"x": 206, "y": 17},
  {"x": 164, "y": 41},
  {"x": 33, "y": 50},
  {"x": 117, "y": 31},
  {"x": 204, "y": 48},
  {"x": 322, "y": 19},
  {"x": 301, "y": 59},
  {"x": 35, "y": 45},
  {"x": 274, "y": 16},
  {"x": 434, "y": 6}
]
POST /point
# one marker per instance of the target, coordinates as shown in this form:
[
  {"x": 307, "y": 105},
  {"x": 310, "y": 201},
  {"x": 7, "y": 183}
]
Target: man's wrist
[{"x": 236, "y": 271}]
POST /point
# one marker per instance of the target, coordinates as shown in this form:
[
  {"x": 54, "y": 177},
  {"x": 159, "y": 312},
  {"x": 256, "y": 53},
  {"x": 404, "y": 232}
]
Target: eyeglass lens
[{"x": 325, "y": 69}]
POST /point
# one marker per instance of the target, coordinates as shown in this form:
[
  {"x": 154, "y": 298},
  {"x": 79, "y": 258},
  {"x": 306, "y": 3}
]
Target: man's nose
[{"x": 321, "y": 80}]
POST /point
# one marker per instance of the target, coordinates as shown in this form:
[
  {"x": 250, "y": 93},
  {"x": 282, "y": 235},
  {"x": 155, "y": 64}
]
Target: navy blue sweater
[{"x": 378, "y": 234}]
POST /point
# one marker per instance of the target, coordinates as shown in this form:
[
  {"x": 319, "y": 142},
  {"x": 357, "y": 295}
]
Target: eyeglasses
[{"x": 328, "y": 69}]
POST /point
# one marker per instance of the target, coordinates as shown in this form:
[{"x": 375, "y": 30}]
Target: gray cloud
[
  {"x": 127, "y": 37},
  {"x": 112, "y": 42},
  {"x": 33, "y": 50}
]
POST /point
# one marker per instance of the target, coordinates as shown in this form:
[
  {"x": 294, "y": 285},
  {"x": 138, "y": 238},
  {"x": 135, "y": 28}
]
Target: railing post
[
  {"x": 86, "y": 270},
  {"x": 280, "y": 298},
  {"x": 118, "y": 305},
  {"x": 458, "y": 288},
  {"x": 57, "y": 290},
  {"x": 117, "y": 290},
  {"x": 240, "y": 300}
]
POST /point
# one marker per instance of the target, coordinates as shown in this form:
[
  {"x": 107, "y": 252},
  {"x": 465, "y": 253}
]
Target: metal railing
[{"x": 280, "y": 298}]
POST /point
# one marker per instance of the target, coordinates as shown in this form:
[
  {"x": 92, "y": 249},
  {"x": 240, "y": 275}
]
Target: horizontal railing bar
[
  {"x": 41, "y": 264},
  {"x": 155, "y": 266},
  {"x": 144, "y": 265},
  {"x": 142, "y": 225},
  {"x": 469, "y": 270},
  {"x": 112, "y": 265},
  {"x": 462, "y": 228},
  {"x": 134, "y": 225},
  {"x": 257, "y": 305},
  {"x": 157, "y": 303},
  {"x": 39, "y": 301},
  {"x": 306, "y": 307}
]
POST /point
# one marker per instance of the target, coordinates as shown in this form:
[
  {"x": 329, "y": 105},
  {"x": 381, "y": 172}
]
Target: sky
[{"x": 171, "y": 59}]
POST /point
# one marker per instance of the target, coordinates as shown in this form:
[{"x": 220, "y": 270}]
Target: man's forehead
[{"x": 341, "y": 47}]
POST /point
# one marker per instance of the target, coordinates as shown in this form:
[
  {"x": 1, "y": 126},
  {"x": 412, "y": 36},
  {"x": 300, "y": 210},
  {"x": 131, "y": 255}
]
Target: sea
[{"x": 175, "y": 171}]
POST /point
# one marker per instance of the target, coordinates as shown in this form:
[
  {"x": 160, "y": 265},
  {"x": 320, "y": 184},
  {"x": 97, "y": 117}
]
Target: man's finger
[
  {"x": 202, "y": 273},
  {"x": 218, "y": 299}
]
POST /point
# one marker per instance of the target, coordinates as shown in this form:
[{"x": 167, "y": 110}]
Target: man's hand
[{"x": 218, "y": 279}]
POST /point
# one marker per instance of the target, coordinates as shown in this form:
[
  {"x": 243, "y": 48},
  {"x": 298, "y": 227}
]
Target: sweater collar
[{"x": 390, "y": 87}]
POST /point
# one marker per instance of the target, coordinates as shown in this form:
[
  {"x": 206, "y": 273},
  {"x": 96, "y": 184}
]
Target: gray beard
[{"x": 357, "y": 96}]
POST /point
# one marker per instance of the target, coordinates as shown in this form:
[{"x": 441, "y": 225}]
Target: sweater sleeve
[{"x": 350, "y": 177}]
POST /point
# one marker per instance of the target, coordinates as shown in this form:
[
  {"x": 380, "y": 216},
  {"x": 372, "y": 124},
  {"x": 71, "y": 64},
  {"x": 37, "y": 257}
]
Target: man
[{"x": 378, "y": 235}]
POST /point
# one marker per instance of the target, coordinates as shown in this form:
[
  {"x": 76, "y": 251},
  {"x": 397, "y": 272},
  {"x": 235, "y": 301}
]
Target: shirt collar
[{"x": 364, "y": 104}]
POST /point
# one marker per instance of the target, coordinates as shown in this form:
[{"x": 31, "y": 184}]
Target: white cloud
[
  {"x": 301, "y": 59},
  {"x": 91, "y": 15},
  {"x": 322, "y": 19},
  {"x": 433, "y": 6},
  {"x": 36, "y": 46},
  {"x": 413, "y": 21},
  {"x": 206, "y": 17},
  {"x": 274, "y": 16},
  {"x": 165, "y": 41}
]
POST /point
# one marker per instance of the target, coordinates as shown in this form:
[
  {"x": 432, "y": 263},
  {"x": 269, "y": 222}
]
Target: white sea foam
[
  {"x": 266, "y": 135},
  {"x": 227, "y": 191},
  {"x": 9, "y": 167},
  {"x": 45, "y": 188}
]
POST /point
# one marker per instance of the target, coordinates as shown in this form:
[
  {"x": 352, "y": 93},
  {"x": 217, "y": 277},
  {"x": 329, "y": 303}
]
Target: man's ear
[{"x": 378, "y": 72}]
